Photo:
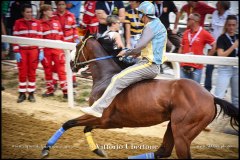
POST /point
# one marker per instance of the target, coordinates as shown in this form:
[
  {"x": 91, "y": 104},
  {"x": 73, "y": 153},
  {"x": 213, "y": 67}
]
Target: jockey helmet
[{"x": 147, "y": 8}]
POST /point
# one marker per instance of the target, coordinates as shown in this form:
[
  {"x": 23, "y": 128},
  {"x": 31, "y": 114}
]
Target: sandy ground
[{"x": 27, "y": 126}]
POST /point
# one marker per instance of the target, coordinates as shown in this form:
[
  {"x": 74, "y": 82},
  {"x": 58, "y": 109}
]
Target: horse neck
[{"x": 104, "y": 69}]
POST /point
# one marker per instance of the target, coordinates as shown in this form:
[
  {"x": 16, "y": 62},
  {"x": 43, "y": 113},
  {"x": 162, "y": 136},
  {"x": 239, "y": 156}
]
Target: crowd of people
[{"x": 60, "y": 20}]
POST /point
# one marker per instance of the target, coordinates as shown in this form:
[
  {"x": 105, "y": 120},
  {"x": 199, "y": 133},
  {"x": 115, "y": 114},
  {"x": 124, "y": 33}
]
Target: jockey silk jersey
[{"x": 152, "y": 43}]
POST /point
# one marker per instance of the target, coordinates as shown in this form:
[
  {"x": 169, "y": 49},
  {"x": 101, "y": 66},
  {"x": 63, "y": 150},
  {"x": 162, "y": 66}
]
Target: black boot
[
  {"x": 21, "y": 97},
  {"x": 31, "y": 97},
  {"x": 65, "y": 96}
]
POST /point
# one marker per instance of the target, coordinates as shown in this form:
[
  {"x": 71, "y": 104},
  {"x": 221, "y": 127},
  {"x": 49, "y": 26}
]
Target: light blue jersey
[{"x": 152, "y": 43}]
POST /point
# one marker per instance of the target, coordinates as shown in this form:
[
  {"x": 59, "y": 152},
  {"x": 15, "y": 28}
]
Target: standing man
[
  {"x": 106, "y": 8},
  {"x": 218, "y": 20},
  {"x": 196, "y": 7},
  {"x": 133, "y": 25},
  {"x": 193, "y": 42},
  {"x": 89, "y": 18}
]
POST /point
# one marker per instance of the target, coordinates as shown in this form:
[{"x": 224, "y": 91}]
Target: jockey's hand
[{"x": 122, "y": 53}]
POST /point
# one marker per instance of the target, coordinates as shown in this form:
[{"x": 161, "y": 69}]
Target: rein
[
  {"x": 80, "y": 51},
  {"x": 96, "y": 59}
]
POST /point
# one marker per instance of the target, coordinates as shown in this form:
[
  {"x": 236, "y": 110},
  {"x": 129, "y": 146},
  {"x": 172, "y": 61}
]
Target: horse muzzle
[{"x": 76, "y": 67}]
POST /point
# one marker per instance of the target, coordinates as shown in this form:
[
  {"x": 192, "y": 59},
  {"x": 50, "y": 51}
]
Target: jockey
[{"x": 151, "y": 46}]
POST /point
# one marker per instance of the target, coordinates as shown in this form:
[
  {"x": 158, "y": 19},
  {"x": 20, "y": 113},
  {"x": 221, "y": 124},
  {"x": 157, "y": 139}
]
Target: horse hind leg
[
  {"x": 85, "y": 120},
  {"x": 186, "y": 130},
  {"x": 166, "y": 148}
]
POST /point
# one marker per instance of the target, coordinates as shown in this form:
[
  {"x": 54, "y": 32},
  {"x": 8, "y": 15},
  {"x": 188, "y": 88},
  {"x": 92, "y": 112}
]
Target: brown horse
[{"x": 187, "y": 106}]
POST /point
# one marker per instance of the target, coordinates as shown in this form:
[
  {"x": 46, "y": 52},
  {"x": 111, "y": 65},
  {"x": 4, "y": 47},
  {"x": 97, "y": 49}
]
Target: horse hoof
[
  {"x": 45, "y": 153},
  {"x": 101, "y": 153}
]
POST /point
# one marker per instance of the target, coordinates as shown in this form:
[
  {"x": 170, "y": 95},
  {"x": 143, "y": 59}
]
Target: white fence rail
[{"x": 66, "y": 46}]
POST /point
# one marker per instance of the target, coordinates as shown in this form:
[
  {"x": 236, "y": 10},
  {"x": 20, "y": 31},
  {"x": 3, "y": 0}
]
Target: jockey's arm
[{"x": 146, "y": 37}]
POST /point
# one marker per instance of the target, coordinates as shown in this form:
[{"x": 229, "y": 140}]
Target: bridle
[{"x": 80, "y": 52}]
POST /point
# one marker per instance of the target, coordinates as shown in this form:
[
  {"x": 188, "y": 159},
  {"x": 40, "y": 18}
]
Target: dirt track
[{"x": 26, "y": 127}]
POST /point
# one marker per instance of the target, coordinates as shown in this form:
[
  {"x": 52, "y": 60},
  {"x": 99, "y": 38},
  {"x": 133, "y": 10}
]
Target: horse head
[{"x": 83, "y": 53}]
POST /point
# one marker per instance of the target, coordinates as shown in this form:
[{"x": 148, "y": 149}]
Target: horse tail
[{"x": 228, "y": 109}]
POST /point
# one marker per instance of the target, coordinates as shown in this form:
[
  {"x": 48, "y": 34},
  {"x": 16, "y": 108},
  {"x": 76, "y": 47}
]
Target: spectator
[
  {"x": 196, "y": 7},
  {"x": 218, "y": 20},
  {"x": 114, "y": 25},
  {"x": 193, "y": 41},
  {"x": 15, "y": 13},
  {"x": 27, "y": 56},
  {"x": 74, "y": 7},
  {"x": 70, "y": 32},
  {"x": 89, "y": 18},
  {"x": 105, "y": 8},
  {"x": 163, "y": 9},
  {"x": 133, "y": 25},
  {"x": 67, "y": 22},
  {"x": 227, "y": 46},
  {"x": 52, "y": 30}
]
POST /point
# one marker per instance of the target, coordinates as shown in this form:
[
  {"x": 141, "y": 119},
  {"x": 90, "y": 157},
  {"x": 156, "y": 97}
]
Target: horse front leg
[
  {"x": 166, "y": 148},
  {"x": 85, "y": 120},
  {"x": 92, "y": 145}
]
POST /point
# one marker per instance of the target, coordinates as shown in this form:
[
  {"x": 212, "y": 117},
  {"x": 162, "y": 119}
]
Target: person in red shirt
[
  {"x": 52, "y": 30},
  {"x": 193, "y": 41},
  {"x": 69, "y": 28},
  {"x": 27, "y": 56},
  {"x": 196, "y": 7},
  {"x": 89, "y": 18}
]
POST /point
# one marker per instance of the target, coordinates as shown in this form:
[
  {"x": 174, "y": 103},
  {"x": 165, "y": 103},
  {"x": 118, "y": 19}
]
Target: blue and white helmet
[{"x": 147, "y": 8}]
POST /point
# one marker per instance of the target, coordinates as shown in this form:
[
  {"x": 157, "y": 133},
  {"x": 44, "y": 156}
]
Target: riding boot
[
  {"x": 31, "y": 97},
  {"x": 21, "y": 97}
]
